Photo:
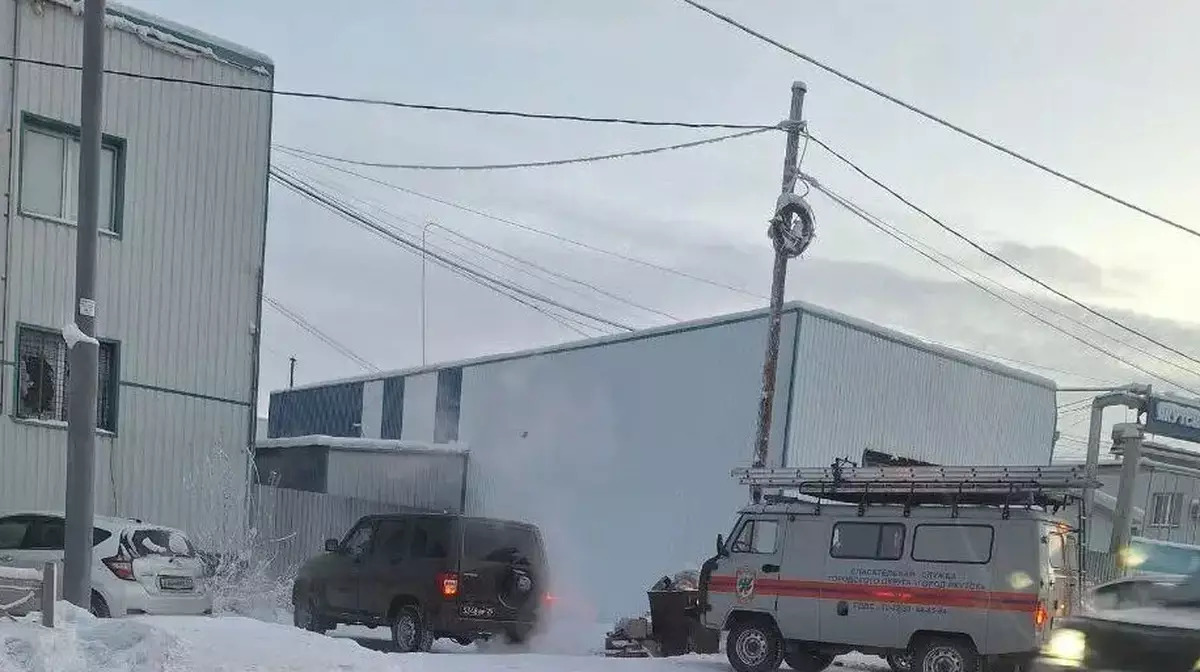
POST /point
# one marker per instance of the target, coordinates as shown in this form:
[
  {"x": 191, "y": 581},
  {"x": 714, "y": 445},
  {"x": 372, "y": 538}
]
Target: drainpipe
[
  {"x": 1128, "y": 437},
  {"x": 14, "y": 130}
]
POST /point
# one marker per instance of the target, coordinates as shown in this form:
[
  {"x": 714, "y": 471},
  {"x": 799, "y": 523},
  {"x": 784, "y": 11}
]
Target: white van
[{"x": 936, "y": 566}]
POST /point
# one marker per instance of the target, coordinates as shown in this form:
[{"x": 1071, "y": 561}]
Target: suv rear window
[
  {"x": 154, "y": 541},
  {"x": 488, "y": 541}
]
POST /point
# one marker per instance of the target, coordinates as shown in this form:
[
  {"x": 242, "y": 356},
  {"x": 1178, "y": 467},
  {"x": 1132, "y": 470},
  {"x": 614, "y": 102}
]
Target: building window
[
  {"x": 50, "y": 173},
  {"x": 43, "y": 373},
  {"x": 1166, "y": 509}
]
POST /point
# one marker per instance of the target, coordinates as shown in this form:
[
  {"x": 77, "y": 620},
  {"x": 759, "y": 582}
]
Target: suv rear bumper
[{"x": 447, "y": 623}]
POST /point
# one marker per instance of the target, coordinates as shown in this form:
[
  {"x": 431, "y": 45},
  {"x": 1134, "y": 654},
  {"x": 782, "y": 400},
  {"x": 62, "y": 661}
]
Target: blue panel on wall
[
  {"x": 449, "y": 401},
  {"x": 335, "y": 410},
  {"x": 392, "y": 422}
]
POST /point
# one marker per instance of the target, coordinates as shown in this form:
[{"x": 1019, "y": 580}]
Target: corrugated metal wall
[
  {"x": 426, "y": 479},
  {"x": 178, "y": 288},
  {"x": 858, "y": 389}
]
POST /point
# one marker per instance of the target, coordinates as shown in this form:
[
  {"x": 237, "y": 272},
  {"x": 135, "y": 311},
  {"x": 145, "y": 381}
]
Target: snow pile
[{"x": 82, "y": 643}]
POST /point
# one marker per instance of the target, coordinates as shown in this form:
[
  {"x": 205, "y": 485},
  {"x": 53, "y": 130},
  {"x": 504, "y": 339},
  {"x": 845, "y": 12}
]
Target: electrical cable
[
  {"x": 1013, "y": 267},
  {"x": 427, "y": 107},
  {"x": 311, "y": 328},
  {"x": 479, "y": 277},
  {"x": 886, "y": 229},
  {"x": 532, "y": 229},
  {"x": 519, "y": 266},
  {"x": 528, "y": 164},
  {"x": 942, "y": 122}
]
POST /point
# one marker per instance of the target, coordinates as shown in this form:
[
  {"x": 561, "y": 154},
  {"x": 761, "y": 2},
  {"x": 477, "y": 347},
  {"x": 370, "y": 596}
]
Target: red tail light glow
[
  {"x": 120, "y": 566},
  {"x": 448, "y": 584},
  {"x": 1040, "y": 615}
]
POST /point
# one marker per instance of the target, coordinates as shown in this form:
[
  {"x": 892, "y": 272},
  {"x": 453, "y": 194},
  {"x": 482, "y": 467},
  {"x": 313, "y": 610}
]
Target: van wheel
[
  {"x": 754, "y": 645},
  {"x": 409, "y": 632},
  {"x": 945, "y": 655},
  {"x": 807, "y": 661},
  {"x": 899, "y": 661}
]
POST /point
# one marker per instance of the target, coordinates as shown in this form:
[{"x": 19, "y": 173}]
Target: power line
[
  {"x": 311, "y": 328},
  {"x": 1013, "y": 360},
  {"x": 310, "y": 192},
  {"x": 888, "y": 230},
  {"x": 532, "y": 229},
  {"x": 528, "y": 164},
  {"x": 940, "y": 121},
  {"x": 463, "y": 268},
  {"x": 427, "y": 107},
  {"x": 1011, "y": 266}
]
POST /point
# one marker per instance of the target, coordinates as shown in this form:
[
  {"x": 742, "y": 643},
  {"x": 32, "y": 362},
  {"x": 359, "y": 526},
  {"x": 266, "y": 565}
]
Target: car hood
[{"x": 1186, "y": 618}]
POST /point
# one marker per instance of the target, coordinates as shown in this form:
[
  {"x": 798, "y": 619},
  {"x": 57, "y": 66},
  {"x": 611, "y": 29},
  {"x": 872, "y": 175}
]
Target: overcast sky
[{"x": 1088, "y": 86}]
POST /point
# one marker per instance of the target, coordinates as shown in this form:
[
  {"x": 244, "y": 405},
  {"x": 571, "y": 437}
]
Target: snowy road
[{"x": 228, "y": 644}]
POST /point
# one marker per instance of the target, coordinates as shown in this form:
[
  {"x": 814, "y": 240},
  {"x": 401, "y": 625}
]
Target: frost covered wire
[
  {"x": 1016, "y": 269},
  {"x": 509, "y": 260},
  {"x": 428, "y": 107},
  {"x": 531, "y": 229},
  {"x": 311, "y": 328},
  {"x": 899, "y": 237},
  {"x": 527, "y": 164},
  {"x": 316, "y": 195},
  {"x": 942, "y": 122}
]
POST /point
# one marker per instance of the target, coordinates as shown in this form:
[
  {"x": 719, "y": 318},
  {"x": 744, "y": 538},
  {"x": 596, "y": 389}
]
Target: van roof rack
[{"x": 1046, "y": 486}]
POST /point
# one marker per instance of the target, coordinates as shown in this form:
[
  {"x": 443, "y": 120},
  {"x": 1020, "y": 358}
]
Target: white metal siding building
[
  {"x": 620, "y": 447},
  {"x": 180, "y": 260}
]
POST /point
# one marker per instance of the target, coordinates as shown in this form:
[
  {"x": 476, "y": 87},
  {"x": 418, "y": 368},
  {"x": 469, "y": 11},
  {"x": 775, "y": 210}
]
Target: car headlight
[{"x": 1066, "y": 647}]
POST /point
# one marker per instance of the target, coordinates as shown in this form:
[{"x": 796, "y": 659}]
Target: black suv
[
  {"x": 427, "y": 576},
  {"x": 1159, "y": 635}
]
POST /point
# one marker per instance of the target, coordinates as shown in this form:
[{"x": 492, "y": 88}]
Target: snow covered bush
[{"x": 245, "y": 578}]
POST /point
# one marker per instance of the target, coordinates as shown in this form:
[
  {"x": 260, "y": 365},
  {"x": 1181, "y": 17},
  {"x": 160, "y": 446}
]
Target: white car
[{"x": 136, "y": 568}]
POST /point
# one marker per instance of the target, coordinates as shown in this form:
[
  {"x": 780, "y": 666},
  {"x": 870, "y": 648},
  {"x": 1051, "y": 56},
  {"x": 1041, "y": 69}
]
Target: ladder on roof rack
[{"x": 985, "y": 485}]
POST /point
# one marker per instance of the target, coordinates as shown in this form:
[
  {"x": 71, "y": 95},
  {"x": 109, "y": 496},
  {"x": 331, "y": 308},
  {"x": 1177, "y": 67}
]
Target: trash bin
[{"x": 670, "y": 622}]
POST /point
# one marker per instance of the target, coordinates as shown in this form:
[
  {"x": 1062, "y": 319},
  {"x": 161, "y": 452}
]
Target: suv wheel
[
  {"x": 807, "y": 661},
  {"x": 306, "y": 617},
  {"x": 754, "y": 645},
  {"x": 409, "y": 631},
  {"x": 945, "y": 655}
]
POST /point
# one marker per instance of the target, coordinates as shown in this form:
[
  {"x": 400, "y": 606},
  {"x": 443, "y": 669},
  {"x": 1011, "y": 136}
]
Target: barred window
[{"x": 43, "y": 372}]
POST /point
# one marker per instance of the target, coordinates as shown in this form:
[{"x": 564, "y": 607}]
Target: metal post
[
  {"x": 1129, "y": 437},
  {"x": 291, "y": 371},
  {"x": 49, "y": 592},
  {"x": 778, "y": 281},
  {"x": 84, "y": 355},
  {"x": 424, "y": 234}
]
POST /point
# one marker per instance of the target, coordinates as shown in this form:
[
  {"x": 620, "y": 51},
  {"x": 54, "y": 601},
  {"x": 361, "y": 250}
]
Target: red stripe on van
[{"x": 835, "y": 590}]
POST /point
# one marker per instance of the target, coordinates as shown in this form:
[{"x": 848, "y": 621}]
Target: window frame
[
  {"x": 1173, "y": 510},
  {"x": 371, "y": 524},
  {"x": 754, "y": 520},
  {"x": 833, "y": 530},
  {"x": 53, "y": 127},
  {"x": 113, "y": 383},
  {"x": 991, "y": 551}
]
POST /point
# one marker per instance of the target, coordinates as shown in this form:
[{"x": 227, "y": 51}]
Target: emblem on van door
[{"x": 744, "y": 584}]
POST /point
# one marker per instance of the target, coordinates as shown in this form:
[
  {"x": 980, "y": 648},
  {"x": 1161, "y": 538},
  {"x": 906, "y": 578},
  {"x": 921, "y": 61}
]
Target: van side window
[
  {"x": 756, "y": 536},
  {"x": 956, "y": 544},
  {"x": 867, "y": 541},
  {"x": 1056, "y": 549}
]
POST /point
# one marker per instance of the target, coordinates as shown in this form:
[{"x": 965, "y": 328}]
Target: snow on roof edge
[
  {"x": 178, "y": 35},
  {"x": 363, "y": 444},
  {"x": 701, "y": 323}
]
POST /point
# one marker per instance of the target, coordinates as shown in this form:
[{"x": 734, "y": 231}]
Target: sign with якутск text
[{"x": 1174, "y": 418}]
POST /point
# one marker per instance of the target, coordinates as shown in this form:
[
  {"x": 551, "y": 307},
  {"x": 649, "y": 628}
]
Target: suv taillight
[
  {"x": 448, "y": 584},
  {"x": 120, "y": 566}
]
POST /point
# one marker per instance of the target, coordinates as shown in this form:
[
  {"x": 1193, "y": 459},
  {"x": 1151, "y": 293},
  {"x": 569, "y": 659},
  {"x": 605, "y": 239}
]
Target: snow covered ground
[{"x": 81, "y": 643}]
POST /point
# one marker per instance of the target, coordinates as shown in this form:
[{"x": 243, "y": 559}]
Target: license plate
[
  {"x": 477, "y": 611},
  {"x": 177, "y": 583}
]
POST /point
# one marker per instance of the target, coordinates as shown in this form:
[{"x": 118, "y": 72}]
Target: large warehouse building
[
  {"x": 180, "y": 257},
  {"x": 620, "y": 447}
]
